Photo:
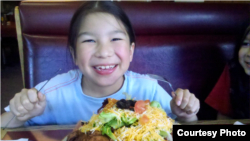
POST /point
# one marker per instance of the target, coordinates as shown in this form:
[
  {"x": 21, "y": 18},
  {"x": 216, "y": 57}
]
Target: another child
[
  {"x": 231, "y": 95},
  {"x": 102, "y": 44}
]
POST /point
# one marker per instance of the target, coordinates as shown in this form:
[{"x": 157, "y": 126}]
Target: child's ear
[
  {"x": 132, "y": 48},
  {"x": 73, "y": 54}
]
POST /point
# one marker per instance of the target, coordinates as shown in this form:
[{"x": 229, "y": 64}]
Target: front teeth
[{"x": 105, "y": 67}]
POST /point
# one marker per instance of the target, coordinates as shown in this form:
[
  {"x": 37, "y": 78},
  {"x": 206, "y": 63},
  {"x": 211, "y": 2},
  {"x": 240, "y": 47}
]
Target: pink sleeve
[{"x": 219, "y": 97}]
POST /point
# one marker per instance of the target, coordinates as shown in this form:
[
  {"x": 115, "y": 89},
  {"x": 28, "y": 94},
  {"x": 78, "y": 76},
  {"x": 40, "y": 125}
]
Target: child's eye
[
  {"x": 246, "y": 44},
  {"x": 116, "y": 39},
  {"x": 89, "y": 41}
]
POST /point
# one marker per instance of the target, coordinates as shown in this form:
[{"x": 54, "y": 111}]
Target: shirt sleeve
[{"x": 219, "y": 97}]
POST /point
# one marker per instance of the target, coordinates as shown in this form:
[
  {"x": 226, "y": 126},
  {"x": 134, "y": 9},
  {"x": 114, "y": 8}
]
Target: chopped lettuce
[
  {"x": 128, "y": 120},
  {"x": 107, "y": 130},
  {"x": 128, "y": 97},
  {"x": 167, "y": 135},
  {"x": 114, "y": 123},
  {"x": 163, "y": 134},
  {"x": 156, "y": 104},
  {"x": 106, "y": 117}
]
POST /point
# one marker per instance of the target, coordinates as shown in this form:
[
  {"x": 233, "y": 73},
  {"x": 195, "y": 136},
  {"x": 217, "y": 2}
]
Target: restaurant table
[{"x": 58, "y": 132}]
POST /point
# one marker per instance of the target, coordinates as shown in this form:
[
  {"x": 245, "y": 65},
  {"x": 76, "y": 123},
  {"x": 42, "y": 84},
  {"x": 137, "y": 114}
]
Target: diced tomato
[
  {"x": 147, "y": 102},
  {"x": 144, "y": 119},
  {"x": 140, "y": 106}
]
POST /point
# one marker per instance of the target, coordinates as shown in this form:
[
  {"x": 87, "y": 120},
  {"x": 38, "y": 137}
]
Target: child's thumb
[
  {"x": 41, "y": 97},
  {"x": 173, "y": 94}
]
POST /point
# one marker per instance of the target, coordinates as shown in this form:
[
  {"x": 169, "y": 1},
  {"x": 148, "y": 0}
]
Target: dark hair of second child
[{"x": 240, "y": 85}]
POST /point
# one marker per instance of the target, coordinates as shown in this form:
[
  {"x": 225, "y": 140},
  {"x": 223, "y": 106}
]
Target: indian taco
[{"x": 126, "y": 120}]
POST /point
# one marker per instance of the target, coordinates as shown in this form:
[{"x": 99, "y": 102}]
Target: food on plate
[{"x": 126, "y": 120}]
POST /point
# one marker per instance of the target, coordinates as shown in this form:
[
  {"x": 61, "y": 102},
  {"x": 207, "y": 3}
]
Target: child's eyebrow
[
  {"x": 84, "y": 33},
  {"x": 118, "y": 31},
  {"x": 91, "y": 34}
]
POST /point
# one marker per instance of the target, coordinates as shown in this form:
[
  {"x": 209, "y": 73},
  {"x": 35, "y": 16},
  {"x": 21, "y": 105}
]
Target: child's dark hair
[
  {"x": 240, "y": 86},
  {"x": 97, "y": 6}
]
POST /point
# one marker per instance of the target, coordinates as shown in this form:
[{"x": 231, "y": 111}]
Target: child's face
[
  {"x": 103, "y": 49},
  {"x": 244, "y": 54}
]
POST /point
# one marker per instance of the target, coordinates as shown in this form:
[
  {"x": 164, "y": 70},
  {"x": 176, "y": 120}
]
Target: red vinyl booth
[{"x": 188, "y": 43}]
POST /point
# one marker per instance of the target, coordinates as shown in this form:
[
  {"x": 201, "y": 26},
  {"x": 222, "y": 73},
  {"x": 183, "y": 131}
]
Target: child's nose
[{"x": 104, "y": 50}]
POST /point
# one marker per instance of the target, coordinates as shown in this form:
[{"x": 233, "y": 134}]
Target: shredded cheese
[
  {"x": 90, "y": 126},
  {"x": 158, "y": 121}
]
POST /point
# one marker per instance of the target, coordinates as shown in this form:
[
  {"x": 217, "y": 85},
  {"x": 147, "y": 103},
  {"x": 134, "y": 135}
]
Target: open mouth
[
  {"x": 247, "y": 64},
  {"x": 107, "y": 67}
]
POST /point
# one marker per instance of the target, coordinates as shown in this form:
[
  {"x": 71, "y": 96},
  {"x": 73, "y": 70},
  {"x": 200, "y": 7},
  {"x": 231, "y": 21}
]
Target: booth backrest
[{"x": 188, "y": 43}]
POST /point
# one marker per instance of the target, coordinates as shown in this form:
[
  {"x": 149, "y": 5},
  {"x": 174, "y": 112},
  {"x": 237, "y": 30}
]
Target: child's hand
[
  {"x": 185, "y": 105},
  {"x": 27, "y": 104}
]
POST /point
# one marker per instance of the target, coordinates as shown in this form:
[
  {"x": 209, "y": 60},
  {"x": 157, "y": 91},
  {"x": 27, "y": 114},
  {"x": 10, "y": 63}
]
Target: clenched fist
[
  {"x": 27, "y": 104},
  {"x": 185, "y": 105}
]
